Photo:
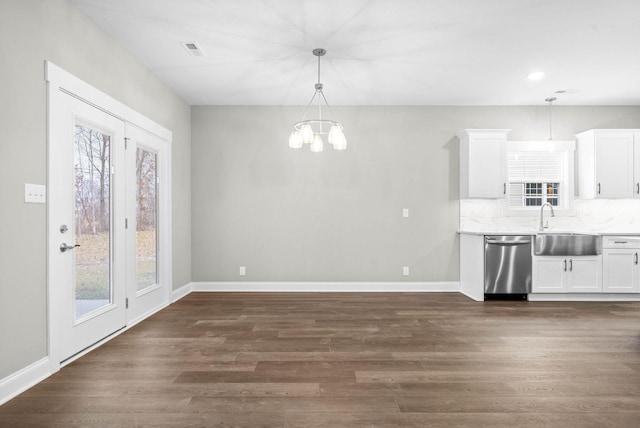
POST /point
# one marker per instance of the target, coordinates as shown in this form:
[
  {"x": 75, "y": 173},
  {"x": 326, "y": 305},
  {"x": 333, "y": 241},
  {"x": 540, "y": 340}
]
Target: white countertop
[{"x": 535, "y": 232}]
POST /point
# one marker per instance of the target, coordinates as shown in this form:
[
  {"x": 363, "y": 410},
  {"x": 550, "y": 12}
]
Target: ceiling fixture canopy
[{"x": 309, "y": 131}]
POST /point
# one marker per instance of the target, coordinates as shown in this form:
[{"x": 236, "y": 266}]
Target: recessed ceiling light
[
  {"x": 193, "y": 48},
  {"x": 536, "y": 75}
]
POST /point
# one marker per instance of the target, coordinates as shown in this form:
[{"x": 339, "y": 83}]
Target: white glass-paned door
[
  {"x": 148, "y": 281},
  {"x": 108, "y": 216},
  {"x": 87, "y": 278}
]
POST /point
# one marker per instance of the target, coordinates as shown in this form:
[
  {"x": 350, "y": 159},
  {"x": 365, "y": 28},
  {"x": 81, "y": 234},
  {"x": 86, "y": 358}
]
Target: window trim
[{"x": 567, "y": 183}]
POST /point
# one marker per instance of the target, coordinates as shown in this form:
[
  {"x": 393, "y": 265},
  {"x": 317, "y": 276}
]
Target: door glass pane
[
  {"x": 92, "y": 219},
  {"x": 146, "y": 219}
]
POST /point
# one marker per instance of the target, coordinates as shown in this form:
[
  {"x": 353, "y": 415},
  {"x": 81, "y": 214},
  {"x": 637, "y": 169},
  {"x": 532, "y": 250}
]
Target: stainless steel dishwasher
[{"x": 507, "y": 266}]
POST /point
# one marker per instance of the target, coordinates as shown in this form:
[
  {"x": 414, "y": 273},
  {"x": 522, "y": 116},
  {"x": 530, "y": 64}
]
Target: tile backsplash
[{"x": 592, "y": 215}]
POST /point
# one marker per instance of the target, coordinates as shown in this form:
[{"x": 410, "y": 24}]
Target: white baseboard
[
  {"x": 323, "y": 287},
  {"x": 181, "y": 292},
  {"x": 24, "y": 379},
  {"x": 583, "y": 297}
]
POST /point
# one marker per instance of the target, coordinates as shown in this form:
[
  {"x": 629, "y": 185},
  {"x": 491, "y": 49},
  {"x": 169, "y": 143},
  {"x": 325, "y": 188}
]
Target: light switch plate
[
  {"x": 405, "y": 212},
  {"x": 35, "y": 193}
]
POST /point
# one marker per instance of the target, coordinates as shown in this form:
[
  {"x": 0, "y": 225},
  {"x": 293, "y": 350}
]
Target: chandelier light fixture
[{"x": 309, "y": 131}]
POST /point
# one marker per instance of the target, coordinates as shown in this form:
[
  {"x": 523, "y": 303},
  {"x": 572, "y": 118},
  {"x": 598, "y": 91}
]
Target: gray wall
[
  {"x": 32, "y": 31},
  {"x": 292, "y": 215}
]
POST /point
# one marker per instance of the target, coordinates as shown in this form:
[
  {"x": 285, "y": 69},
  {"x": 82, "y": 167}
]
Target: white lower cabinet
[
  {"x": 620, "y": 264},
  {"x": 620, "y": 271},
  {"x": 567, "y": 274}
]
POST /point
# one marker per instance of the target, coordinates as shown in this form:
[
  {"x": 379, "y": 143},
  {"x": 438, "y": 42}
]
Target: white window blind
[
  {"x": 535, "y": 167},
  {"x": 516, "y": 194},
  {"x": 530, "y": 175}
]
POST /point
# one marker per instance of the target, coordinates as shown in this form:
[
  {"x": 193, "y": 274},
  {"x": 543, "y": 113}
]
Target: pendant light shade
[
  {"x": 310, "y": 131},
  {"x": 316, "y": 145},
  {"x": 337, "y": 138},
  {"x": 307, "y": 134},
  {"x": 295, "y": 140}
]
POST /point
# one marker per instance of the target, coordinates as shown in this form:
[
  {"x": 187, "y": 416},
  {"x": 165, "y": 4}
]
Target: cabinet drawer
[{"x": 620, "y": 242}]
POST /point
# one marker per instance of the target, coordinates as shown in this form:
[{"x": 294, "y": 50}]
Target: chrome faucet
[{"x": 542, "y": 226}]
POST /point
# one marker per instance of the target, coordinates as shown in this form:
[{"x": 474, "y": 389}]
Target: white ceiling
[{"x": 384, "y": 52}]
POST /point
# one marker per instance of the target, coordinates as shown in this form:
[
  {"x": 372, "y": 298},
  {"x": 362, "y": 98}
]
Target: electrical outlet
[
  {"x": 405, "y": 212},
  {"x": 405, "y": 271},
  {"x": 35, "y": 193},
  {"x": 243, "y": 271}
]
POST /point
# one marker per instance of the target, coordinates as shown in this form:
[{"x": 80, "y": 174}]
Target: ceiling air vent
[{"x": 193, "y": 48}]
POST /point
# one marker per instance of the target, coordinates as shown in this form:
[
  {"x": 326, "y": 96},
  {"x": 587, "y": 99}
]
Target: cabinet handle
[
  {"x": 636, "y": 261},
  {"x": 638, "y": 188},
  {"x": 598, "y": 188},
  {"x": 565, "y": 265},
  {"x": 620, "y": 242},
  {"x": 571, "y": 265},
  {"x": 504, "y": 188}
]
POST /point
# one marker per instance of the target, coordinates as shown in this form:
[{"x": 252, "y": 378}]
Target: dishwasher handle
[{"x": 507, "y": 243}]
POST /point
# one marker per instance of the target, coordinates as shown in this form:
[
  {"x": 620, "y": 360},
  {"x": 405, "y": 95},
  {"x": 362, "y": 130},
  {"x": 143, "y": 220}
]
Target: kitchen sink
[{"x": 567, "y": 244}]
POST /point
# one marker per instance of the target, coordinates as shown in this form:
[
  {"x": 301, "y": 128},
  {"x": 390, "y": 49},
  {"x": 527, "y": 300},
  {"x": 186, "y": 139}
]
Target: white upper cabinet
[
  {"x": 609, "y": 163},
  {"x": 483, "y": 163}
]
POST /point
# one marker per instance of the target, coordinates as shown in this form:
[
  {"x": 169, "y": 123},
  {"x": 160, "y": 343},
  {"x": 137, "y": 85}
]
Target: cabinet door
[
  {"x": 585, "y": 275},
  {"x": 614, "y": 165},
  {"x": 549, "y": 275},
  {"x": 487, "y": 168},
  {"x": 620, "y": 271}
]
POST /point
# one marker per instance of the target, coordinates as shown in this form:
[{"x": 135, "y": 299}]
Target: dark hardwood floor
[{"x": 353, "y": 360}]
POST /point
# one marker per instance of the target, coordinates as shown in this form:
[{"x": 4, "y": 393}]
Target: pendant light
[
  {"x": 550, "y": 100},
  {"x": 310, "y": 130}
]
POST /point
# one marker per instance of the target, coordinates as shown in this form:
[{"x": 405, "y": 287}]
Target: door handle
[
  {"x": 64, "y": 247},
  {"x": 507, "y": 243}
]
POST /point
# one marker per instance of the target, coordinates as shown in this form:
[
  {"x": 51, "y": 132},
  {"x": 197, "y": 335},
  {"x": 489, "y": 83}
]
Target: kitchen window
[{"x": 540, "y": 172}]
